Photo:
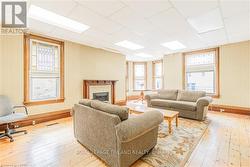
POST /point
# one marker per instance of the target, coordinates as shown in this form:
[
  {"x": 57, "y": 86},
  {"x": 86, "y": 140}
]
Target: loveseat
[
  {"x": 189, "y": 104},
  {"x": 111, "y": 134}
]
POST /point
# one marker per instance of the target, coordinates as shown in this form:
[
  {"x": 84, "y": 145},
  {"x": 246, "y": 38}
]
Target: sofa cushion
[
  {"x": 86, "y": 102},
  {"x": 183, "y": 105},
  {"x": 170, "y": 94},
  {"x": 161, "y": 102},
  {"x": 192, "y": 96},
  {"x": 122, "y": 112}
]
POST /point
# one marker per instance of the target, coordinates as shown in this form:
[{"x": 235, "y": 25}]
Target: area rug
[{"x": 173, "y": 150}]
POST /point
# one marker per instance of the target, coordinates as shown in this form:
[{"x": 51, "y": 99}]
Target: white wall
[
  {"x": 81, "y": 62},
  {"x": 173, "y": 71},
  {"x": 234, "y": 74},
  {"x": 1, "y": 65}
]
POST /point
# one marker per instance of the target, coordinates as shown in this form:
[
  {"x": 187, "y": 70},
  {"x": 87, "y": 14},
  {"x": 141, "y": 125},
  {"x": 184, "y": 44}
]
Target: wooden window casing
[
  {"x": 145, "y": 74},
  {"x": 27, "y": 58},
  {"x": 216, "y": 94}
]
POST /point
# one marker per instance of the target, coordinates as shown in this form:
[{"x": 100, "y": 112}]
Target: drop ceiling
[{"x": 148, "y": 23}]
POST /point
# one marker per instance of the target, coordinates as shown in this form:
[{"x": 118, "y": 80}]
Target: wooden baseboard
[
  {"x": 39, "y": 118},
  {"x": 230, "y": 109},
  {"x": 121, "y": 102}
]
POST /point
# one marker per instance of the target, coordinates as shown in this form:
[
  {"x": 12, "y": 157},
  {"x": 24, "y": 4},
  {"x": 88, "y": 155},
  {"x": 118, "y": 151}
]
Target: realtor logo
[{"x": 14, "y": 14}]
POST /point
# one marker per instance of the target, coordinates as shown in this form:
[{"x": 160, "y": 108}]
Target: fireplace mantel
[{"x": 87, "y": 83}]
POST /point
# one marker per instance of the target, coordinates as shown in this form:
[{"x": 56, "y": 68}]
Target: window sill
[
  {"x": 214, "y": 96},
  {"x": 33, "y": 103}
]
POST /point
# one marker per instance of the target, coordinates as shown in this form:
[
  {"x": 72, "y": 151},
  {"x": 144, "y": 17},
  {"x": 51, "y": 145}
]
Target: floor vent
[{"x": 52, "y": 124}]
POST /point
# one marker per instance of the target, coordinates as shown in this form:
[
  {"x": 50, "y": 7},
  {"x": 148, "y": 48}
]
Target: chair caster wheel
[{"x": 11, "y": 140}]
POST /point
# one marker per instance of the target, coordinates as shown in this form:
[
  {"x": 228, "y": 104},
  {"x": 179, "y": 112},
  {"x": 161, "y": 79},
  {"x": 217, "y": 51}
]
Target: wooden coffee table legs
[{"x": 169, "y": 119}]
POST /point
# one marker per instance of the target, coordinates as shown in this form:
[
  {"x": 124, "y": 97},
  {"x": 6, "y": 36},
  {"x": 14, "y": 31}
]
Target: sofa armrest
[
  {"x": 150, "y": 97},
  {"x": 202, "y": 107},
  {"x": 138, "y": 125},
  {"x": 204, "y": 101}
]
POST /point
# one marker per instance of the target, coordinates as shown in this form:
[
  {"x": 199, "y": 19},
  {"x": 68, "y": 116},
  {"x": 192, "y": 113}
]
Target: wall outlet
[
  {"x": 222, "y": 110},
  {"x": 33, "y": 122},
  {"x": 16, "y": 126}
]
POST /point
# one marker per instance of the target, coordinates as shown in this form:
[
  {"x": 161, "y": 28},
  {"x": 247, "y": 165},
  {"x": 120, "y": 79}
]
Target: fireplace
[
  {"x": 102, "y": 96},
  {"x": 103, "y": 90}
]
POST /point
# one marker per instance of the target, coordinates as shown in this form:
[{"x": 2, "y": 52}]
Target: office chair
[{"x": 8, "y": 116}]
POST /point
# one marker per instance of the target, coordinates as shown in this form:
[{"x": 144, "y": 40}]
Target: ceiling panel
[
  {"x": 132, "y": 20},
  {"x": 109, "y": 26},
  {"x": 213, "y": 38},
  {"x": 191, "y": 8},
  {"x": 148, "y": 8},
  {"x": 232, "y": 8},
  {"x": 85, "y": 16},
  {"x": 170, "y": 21},
  {"x": 61, "y": 7},
  {"x": 39, "y": 27},
  {"x": 102, "y": 7}
]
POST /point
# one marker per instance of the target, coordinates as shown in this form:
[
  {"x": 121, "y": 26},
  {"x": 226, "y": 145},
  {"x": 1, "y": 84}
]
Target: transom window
[
  {"x": 43, "y": 70},
  {"x": 139, "y": 76},
  {"x": 201, "y": 71},
  {"x": 157, "y": 75}
]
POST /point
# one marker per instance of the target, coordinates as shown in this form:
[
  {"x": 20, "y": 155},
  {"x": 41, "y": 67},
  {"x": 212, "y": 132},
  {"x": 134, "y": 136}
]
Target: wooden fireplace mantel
[{"x": 87, "y": 83}]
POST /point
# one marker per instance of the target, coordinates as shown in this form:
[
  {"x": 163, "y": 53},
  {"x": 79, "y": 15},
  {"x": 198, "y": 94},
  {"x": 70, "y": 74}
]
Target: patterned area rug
[{"x": 173, "y": 150}]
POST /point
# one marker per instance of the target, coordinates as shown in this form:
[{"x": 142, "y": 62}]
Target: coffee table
[{"x": 169, "y": 115}]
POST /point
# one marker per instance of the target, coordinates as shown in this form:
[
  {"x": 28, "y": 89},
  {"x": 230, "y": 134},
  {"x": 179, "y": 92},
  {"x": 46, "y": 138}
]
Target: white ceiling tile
[
  {"x": 85, "y": 16},
  {"x": 103, "y": 7},
  {"x": 132, "y": 20},
  {"x": 238, "y": 27},
  {"x": 217, "y": 37},
  {"x": 148, "y": 8},
  {"x": 39, "y": 27},
  {"x": 61, "y": 7},
  {"x": 237, "y": 24},
  {"x": 108, "y": 26},
  {"x": 232, "y": 8},
  {"x": 191, "y": 8},
  {"x": 170, "y": 21},
  {"x": 209, "y": 21}
]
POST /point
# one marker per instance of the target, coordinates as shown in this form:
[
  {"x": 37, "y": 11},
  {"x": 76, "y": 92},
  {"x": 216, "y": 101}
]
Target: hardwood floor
[{"x": 225, "y": 143}]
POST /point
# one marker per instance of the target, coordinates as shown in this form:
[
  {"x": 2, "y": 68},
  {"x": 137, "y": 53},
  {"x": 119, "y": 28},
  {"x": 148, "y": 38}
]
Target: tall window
[
  {"x": 43, "y": 70},
  {"x": 140, "y": 76},
  {"x": 201, "y": 71},
  {"x": 157, "y": 75}
]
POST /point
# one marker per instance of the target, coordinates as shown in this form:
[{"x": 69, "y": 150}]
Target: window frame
[
  {"x": 145, "y": 75},
  {"x": 217, "y": 70},
  {"x": 127, "y": 77},
  {"x": 154, "y": 76},
  {"x": 27, "y": 39}
]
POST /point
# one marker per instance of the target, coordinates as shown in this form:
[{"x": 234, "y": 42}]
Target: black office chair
[{"x": 8, "y": 116}]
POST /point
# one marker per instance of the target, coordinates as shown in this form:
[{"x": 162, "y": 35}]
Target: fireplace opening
[{"x": 102, "y": 96}]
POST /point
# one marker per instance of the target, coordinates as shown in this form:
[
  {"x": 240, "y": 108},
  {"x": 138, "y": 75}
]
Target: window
[
  {"x": 201, "y": 71},
  {"x": 157, "y": 75},
  {"x": 43, "y": 70},
  {"x": 126, "y": 79},
  {"x": 140, "y": 76}
]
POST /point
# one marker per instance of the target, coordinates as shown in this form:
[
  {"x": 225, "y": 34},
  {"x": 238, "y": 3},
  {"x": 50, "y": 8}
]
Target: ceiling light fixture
[
  {"x": 144, "y": 55},
  {"x": 174, "y": 45},
  {"x": 129, "y": 45},
  {"x": 207, "y": 22},
  {"x": 52, "y": 18}
]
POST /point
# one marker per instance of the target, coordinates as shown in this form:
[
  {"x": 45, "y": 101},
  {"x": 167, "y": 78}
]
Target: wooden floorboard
[{"x": 226, "y": 143}]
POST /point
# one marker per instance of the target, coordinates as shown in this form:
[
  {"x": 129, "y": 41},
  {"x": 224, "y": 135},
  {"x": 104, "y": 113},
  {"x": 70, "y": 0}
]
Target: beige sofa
[
  {"x": 190, "y": 104},
  {"x": 109, "y": 132}
]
